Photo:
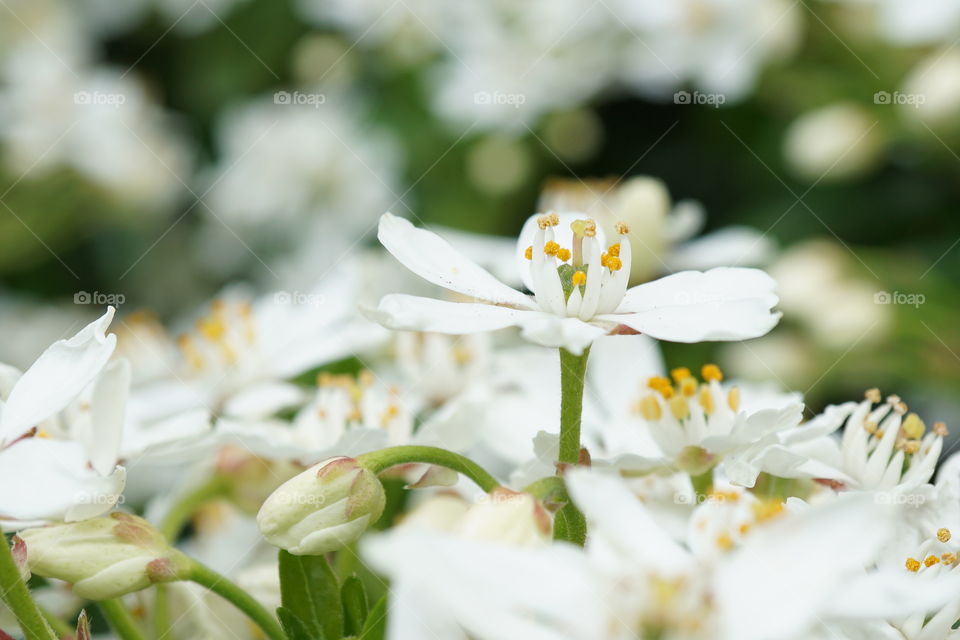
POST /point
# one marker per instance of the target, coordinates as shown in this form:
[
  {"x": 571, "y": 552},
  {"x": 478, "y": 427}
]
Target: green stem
[
  {"x": 120, "y": 620},
  {"x": 573, "y": 371},
  {"x": 14, "y": 592},
  {"x": 242, "y": 600},
  {"x": 161, "y": 612},
  {"x": 702, "y": 485},
  {"x": 60, "y": 627},
  {"x": 379, "y": 461},
  {"x": 180, "y": 513}
]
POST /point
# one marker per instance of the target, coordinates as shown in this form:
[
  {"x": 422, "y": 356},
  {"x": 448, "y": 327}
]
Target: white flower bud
[
  {"x": 508, "y": 517},
  {"x": 323, "y": 509},
  {"x": 103, "y": 557}
]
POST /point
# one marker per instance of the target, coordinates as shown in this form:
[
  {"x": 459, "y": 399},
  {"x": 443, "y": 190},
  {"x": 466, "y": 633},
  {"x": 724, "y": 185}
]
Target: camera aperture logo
[
  {"x": 298, "y": 97},
  {"x": 715, "y": 100},
  {"x": 910, "y": 99},
  {"x": 99, "y": 298},
  {"x": 899, "y": 297}
]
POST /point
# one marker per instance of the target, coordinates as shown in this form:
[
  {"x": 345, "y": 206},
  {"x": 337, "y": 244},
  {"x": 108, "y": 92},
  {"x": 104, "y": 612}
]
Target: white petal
[
  {"x": 56, "y": 378},
  {"x": 414, "y": 313},
  {"x": 433, "y": 259},
  {"x": 263, "y": 400},
  {"x": 549, "y": 330},
  {"x": 107, "y": 406},
  {"x": 730, "y": 246},
  {"x": 720, "y": 304},
  {"x": 42, "y": 479},
  {"x": 618, "y": 367}
]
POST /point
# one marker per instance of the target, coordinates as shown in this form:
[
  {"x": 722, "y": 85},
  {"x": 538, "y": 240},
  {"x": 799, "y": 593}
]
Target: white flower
[
  {"x": 60, "y": 430},
  {"x": 580, "y": 290},
  {"x": 881, "y": 449}
]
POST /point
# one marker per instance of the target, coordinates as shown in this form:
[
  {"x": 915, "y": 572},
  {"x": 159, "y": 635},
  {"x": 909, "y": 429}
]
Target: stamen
[
  {"x": 943, "y": 534},
  {"x": 551, "y": 248},
  {"x": 679, "y": 374},
  {"x": 549, "y": 220},
  {"x": 940, "y": 429},
  {"x": 949, "y": 559},
  {"x": 661, "y": 384},
  {"x": 873, "y": 395},
  {"x": 613, "y": 263},
  {"x": 578, "y": 278},
  {"x": 528, "y": 254},
  {"x": 689, "y": 387},
  {"x": 650, "y": 408},
  {"x": 912, "y": 564},
  {"x": 711, "y": 372},
  {"x": 724, "y": 542},
  {"x": 563, "y": 254},
  {"x": 733, "y": 398},
  {"x": 614, "y": 250},
  {"x": 622, "y": 228},
  {"x": 870, "y": 426},
  {"x": 679, "y": 407},
  {"x": 706, "y": 400},
  {"x": 765, "y": 510},
  {"x": 931, "y": 560}
]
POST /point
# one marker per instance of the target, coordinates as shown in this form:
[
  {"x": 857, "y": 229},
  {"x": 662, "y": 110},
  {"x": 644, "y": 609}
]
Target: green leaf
[
  {"x": 375, "y": 628},
  {"x": 354, "y": 600},
  {"x": 294, "y": 627},
  {"x": 309, "y": 589}
]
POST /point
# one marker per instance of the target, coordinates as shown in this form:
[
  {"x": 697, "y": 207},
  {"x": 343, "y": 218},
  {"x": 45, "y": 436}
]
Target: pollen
[
  {"x": 943, "y": 534},
  {"x": 390, "y": 413},
  {"x": 949, "y": 559},
  {"x": 549, "y": 220},
  {"x": 931, "y": 560},
  {"x": 578, "y": 278},
  {"x": 706, "y": 400},
  {"x": 873, "y": 395},
  {"x": 711, "y": 372},
  {"x": 679, "y": 374},
  {"x": 650, "y": 408},
  {"x": 614, "y": 263},
  {"x": 211, "y": 328},
  {"x": 563, "y": 254},
  {"x": 913, "y": 426},
  {"x": 940, "y": 429},
  {"x": 622, "y": 228},
  {"x": 744, "y": 528},
  {"x": 43, "y": 433},
  {"x": 912, "y": 564},
  {"x": 661, "y": 384},
  {"x": 725, "y": 542},
  {"x": 614, "y": 250},
  {"x": 528, "y": 254},
  {"x": 767, "y": 510},
  {"x": 679, "y": 407},
  {"x": 688, "y": 387},
  {"x": 733, "y": 398},
  {"x": 551, "y": 248}
]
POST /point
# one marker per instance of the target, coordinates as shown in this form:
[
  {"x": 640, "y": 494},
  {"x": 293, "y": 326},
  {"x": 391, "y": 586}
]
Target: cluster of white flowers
[{"x": 691, "y": 506}]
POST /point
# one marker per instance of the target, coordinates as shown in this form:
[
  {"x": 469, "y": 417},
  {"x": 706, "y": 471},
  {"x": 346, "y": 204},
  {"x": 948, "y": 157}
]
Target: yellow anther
[
  {"x": 679, "y": 374},
  {"x": 711, "y": 372},
  {"x": 913, "y": 426},
  {"x": 551, "y": 248},
  {"x": 590, "y": 228},
  {"x": 563, "y": 254},
  {"x": 765, "y": 510},
  {"x": 949, "y": 558},
  {"x": 688, "y": 387},
  {"x": 622, "y": 228},
  {"x": 679, "y": 407},
  {"x": 910, "y": 447},
  {"x": 549, "y": 220},
  {"x": 528, "y": 254},
  {"x": 43, "y": 433},
  {"x": 943, "y": 534},
  {"x": 931, "y": 560},
  {"x": 940, "y": 429},
  {"x": 733, "y": 398},
  {"x": 725, "y": 542},
  {"x": 614, "y": 250},
  {"x": 659, "y": 383},
  {"x": 912, "y": 564},
  {"x": 706, "y": 400},
  {"x": 744, "y": 528},
  {"x": 614, "y": 263},
  {"x": 578, "y": 278},
  {"x": 603, "y": 259},
  {"x": 650, "y": 408},
  {"x": 212, "y": 329},
  {"x": 873, "y": 395},
  {"x": 870, "y": 426},
  {"x": 391, "y": 412}
]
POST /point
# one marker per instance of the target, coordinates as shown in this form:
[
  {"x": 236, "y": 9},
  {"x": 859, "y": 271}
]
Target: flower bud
[
  {"x": 508, "y": 517},
  {"x": 104, "y": 557},
  {"x": 323, "y": 509}
]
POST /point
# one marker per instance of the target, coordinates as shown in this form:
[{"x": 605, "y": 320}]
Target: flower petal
[
  {"x": 433, "y": 259},
  {"x": 692, "y": 306},
  {"x": 549, "y": 330},
  {"x": 414, "y": 313},
  {"x": 56, "y": 378}
]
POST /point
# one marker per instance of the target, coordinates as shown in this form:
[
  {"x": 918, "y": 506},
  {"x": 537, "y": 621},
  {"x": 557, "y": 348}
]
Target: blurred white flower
[
  {"x": 580, "y": 290},
  {"x": 934, "y": 88},
  {"x": 837, "y": 142},
  {"x": 910, "y": 23}
]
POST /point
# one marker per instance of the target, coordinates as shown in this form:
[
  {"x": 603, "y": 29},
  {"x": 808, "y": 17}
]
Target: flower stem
[
  {"x": 120, "y": 620},
  {"x": 242, "y": 600},
  {"x": 573, "y": 370},
  {"x": 378, "y": 461},
  {"x": 180, "y": 513},
  {"x": 15, "y": 593}
]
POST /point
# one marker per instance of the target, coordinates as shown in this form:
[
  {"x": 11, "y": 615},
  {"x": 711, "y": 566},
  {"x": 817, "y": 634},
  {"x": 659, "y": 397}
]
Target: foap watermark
[
  {"x": 114, "y": 100},
  {"x": 299, "y": 97},
  {"x": 499, "y": 98},
  {"x": 295, "y": 498},
  {"x": 102, "y": 499},
  {"x": 899, "y": 297},
  {"x": 897, "y": 97},
  {"x": 99, "y": 298},
  {"x": 714, "y": 100},
  {"x": 899, "y": 498},
  {"x": 299, "y": 298},
  {"x": 697, "y": 297},
  {"x": 701, "y": 498}
]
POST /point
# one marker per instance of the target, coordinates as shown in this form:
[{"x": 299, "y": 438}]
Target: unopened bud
[
  {"x": 323, "y": 509},
  {"x": 104, "y": 557},
  {"x": 508, "y": 517}
]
